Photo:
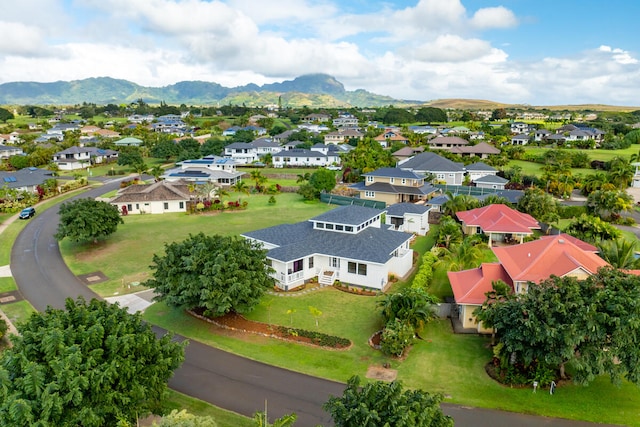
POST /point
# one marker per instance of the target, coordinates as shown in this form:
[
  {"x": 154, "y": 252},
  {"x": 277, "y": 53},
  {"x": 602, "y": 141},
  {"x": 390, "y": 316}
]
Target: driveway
[{"x": 223, "y": 379}]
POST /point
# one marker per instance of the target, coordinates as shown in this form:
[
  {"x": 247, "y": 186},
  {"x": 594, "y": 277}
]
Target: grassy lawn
[
  {"x": 179, "y": 401},
  {"x": 126, "y": 255},
  {"x": 18, "y": 311},
  {"x": 442, "y": 361},
  {"x": 7, "y": 284}
]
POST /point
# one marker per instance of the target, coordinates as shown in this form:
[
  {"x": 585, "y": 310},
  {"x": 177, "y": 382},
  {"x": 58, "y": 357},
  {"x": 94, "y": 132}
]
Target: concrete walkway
[
  {"x": 5, "y": 271},
  {"x": 138, "y": 301}
]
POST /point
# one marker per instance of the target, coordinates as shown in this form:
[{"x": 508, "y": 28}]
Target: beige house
[
  {"x": 160, "y": 197},
  {"x": 394, "y": 185},
  {"x": 520, "y": 266}
]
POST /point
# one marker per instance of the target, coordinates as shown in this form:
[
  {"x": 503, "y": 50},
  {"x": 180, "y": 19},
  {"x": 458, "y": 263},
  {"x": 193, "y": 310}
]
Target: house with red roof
[
  {"x": 499, "y": 222},
  {"x": 519, "y": 266}
]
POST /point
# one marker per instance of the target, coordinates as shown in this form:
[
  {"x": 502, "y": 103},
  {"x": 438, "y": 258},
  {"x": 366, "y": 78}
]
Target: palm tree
[
  {"x": 459, "y": 203},
  {"x": 240, "y": 187},
  {"x": 620, "y": 253},
  {"x": 156, "y": 171},
  {"x": 140, "y": 168},
  {"x": 464, "y": 255},
  {"x": 620, "y": 172},
  {"x": 258, "y": 178},
  {"x": 261, "y": 420}
]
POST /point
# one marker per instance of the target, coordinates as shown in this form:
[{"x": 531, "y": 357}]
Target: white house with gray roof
[
  {"x": 491, "y": 181},
  {"x": 303, "y": 157},
  {"x": 409, "y": 217},
  {"x": 26, "y": 179},
  {"x": 478, "y": 170},
  {"x": 212, "y": 169},
  {"x": 349, "y": 244}
]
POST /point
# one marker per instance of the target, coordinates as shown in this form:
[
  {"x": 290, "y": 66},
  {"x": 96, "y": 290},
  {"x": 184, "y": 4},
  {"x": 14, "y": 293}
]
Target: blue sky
[{"x": 537, "y": 52}]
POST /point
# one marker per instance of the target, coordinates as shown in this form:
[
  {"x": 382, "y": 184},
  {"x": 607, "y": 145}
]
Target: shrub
[
  {"x": 317, "y": 338},
  {"x": 396, "y": 337}
]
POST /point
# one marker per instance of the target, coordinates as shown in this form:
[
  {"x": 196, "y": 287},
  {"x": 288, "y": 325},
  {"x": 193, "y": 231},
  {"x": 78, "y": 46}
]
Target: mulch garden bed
[{"x": 238, "y": 323}]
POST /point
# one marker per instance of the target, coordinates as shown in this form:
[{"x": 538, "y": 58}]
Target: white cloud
[
  {"x": 452, "y": 48},
  {"x": 493, "y": 17},
  {"x": 18, "y": 38}
]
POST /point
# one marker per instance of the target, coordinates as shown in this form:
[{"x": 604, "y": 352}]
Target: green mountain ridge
[{"x": 312, "y": 90}]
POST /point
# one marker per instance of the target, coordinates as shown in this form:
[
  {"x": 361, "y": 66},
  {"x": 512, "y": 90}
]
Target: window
[
  {"x": 352, "y": 267},
  {"x": 166, "y": 205},
  {"x": 362, "y": 269},
  {"x": 310, "y": 262},
  {"x": 370, "y": 194},
  {"x": 369, "y": 178},
  {"x": 334, "y": 262},
  {"x": 339, "y": 227},
  {"x": 129, "y": 207},
  {"x": 298, "y": 265},
  {"x": 349, "y": 228},
  {"x": 357, "y": 268},
  {"x": 181, "y": 205},
  {"x": 391, "y": 180},
  {"x": 329, "y": 227},
  {"x": 319, "y": 224},
  {"x": 440, "y": 176},
  {"x": 137, "y": 205},
  {"x": 404, "y": 181}
]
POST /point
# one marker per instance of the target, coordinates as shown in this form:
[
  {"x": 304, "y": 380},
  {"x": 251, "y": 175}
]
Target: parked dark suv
[{"x": 27, "y": 213}]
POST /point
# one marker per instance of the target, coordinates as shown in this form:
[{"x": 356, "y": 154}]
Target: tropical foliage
[
  {"x": 91, "y": 364},
  {"x": 86, "y": 220},
  {"x": 386, "y": 404},
  {"x": 217, "y": 273},
  {"x": 592, "y": 324}
]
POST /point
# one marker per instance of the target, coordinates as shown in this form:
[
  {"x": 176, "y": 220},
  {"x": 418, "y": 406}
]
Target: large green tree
[
  {"x": 379, "y": 404},
  {"x": 85, "y": 220},
  {"x": 592, "y": 324},
  {"x": 129, "y": 156},
  {"x": 217, "y": 273},
  {"x": 92, "y": 364},
  {"x": 323, "y": 180}
]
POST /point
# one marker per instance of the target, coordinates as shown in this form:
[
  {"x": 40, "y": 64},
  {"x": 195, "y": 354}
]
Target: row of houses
[{"x": 568, "y": 134}]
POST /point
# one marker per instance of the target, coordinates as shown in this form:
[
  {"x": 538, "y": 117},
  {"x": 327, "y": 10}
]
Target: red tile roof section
[
  {"x": 540, "y": 259},
  {"x": 470, "y": 286},
  {"x": 499, "y": 218}
]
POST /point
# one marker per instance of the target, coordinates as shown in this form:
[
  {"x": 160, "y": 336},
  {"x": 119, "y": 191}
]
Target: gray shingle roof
[
  {"x": 384, "y": 187},
  {"x": 300, "y": 240},
  {"x": 431, "y": 162},
  {"x": 348, "y": 215},
  {"x": 27, "y": 177},
  {"x": 395, "y": 173},
  {"x": 491, "y": 179},
  {"x": 479, "y": 166}
]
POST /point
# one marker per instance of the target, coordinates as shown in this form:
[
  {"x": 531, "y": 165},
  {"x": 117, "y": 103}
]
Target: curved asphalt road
[{"x": 226, "y": 380}]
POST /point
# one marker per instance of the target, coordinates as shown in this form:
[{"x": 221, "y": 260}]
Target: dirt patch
[
  {"x": 381, "y": 373},
  {"x": 93, "y": 278}
]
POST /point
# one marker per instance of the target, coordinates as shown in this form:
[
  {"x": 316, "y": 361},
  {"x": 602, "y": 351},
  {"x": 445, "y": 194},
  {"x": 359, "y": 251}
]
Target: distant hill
[{"x": 312, "y": 90}]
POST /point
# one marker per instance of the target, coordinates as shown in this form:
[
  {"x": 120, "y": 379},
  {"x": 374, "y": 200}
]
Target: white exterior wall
[
  {"x": 278, "y": 161},
  {"x": 476, "y": 175},
  {"x": 416, "y": 223},
  {"x": 153, "y": 207},
  {"x": 72, "y": 164}
]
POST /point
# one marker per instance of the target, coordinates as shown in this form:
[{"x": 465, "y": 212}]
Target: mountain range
[{"x": 312, "y": 90}]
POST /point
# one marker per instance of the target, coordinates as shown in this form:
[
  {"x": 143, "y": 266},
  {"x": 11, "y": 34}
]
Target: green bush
[
  {"x": 3, "y": 327},
  {"x": 396, "y": 337},
  {"x": 567, "y": 212},
  {"x": 317, "y": 338}
]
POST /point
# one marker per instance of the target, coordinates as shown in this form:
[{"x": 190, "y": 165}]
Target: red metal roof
[
  {"x": 540, "y": 259},
  {"x": 470, "y": 286},
  {"x": 498, "y": 218}
]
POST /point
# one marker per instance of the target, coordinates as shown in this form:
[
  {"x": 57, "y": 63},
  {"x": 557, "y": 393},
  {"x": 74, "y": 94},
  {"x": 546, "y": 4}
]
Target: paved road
[{"x": 223, "y": 379}]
